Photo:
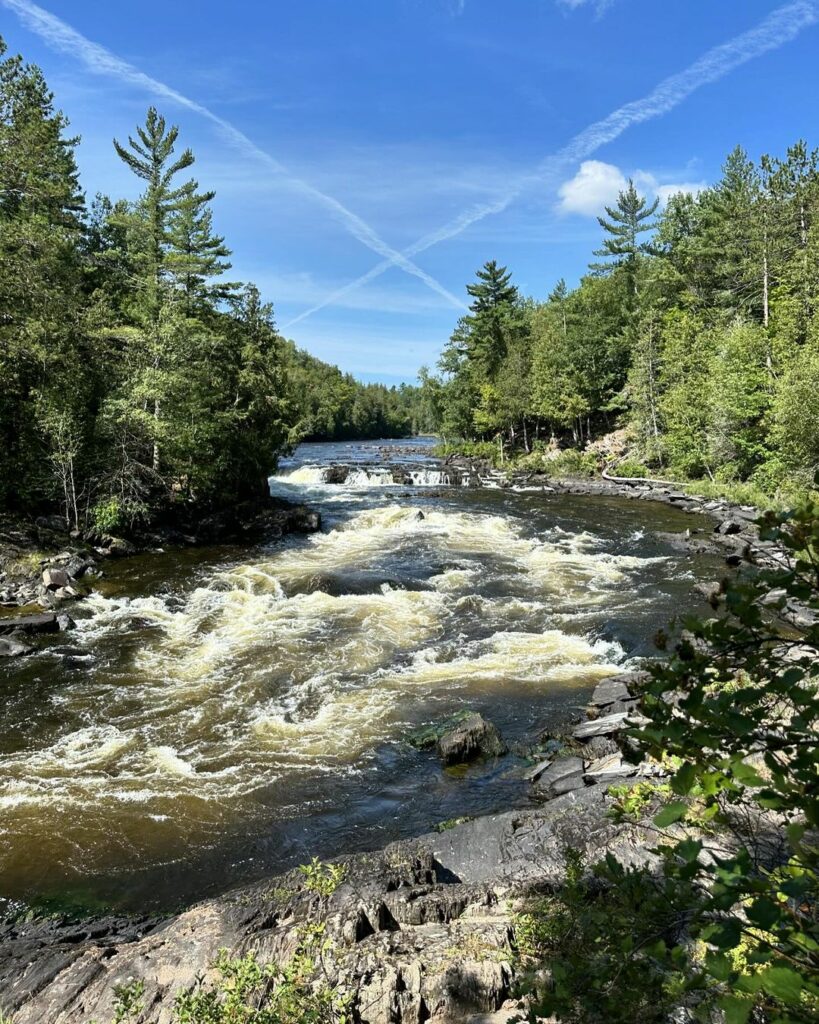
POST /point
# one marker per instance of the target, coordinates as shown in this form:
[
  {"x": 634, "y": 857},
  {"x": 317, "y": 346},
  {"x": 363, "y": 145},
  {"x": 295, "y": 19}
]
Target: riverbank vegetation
[
  {"x": 726, "y": 924},
  {"x": 135, "y": 374},
  {"x": 694, "y": 334}
]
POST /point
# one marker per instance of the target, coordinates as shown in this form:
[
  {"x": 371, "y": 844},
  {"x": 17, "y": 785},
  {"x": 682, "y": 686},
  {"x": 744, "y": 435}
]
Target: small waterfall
[
  {"x": 365, "y": 477},
  {"x": 430, "y": 478},
  {"x": 307, "y": 475}
]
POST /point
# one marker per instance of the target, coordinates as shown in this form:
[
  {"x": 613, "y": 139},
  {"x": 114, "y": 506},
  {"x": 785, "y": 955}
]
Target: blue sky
[{"x": 337, "y": 133}]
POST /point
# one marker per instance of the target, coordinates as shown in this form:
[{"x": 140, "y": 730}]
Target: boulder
[
  {"x": 45, "y": 622},
  {"x": 728, "y": 527},
  {"x": 562, "y": 777},
  {"x": 65, "y": 622},
  {"x": 610, "y": 690},
  {"x": 118, "y": 547},
  {"x": 612, "y": 766},
  {"x": 78, "y": 566},
  {"x": 534, "y": 773},
  {"x": 470, "y": 739},
  {"x": 54, "y": 578},
  {"x": 305, "y": 520},
  {"x": 601, "y": 746},
  {"x": 710, "y": 591}
]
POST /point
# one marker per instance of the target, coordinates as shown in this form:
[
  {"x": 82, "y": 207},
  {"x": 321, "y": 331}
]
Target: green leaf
[
  {"x": 683, "y": 782},
  {"x": 736, "y": 1009},
  {"x": 764, "y": 913},
  {"x": 724, "y": 935},
  {"x": 671, "y": 813},
  {"x": 783, "y": 983}
]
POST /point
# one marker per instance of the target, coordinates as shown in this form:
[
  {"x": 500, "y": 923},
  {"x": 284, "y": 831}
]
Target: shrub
[
  {"x": 116, "y": 514},
  {"x": 629, "y": 467},
  {"x": 735, "y": 709},
  {"x": 249, "y": 992},
  {"x": 322, "y": 879}
]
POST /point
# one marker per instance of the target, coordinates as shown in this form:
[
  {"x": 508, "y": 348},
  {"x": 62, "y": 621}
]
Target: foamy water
[{"x": 261, "y": 685}]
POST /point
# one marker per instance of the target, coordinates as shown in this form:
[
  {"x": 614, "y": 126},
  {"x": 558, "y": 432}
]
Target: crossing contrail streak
[
  {"x": 780, "y": 27},
  {"x": 61, "y": 36}
]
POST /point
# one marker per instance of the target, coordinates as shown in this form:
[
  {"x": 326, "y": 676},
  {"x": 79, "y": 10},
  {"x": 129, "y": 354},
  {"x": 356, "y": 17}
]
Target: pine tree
[
  {"x": 197, "y": 255},
  {"x": 492, "y": 289},
  {"x": 151, "y": 157},
  {"x": 630, "y": 218}
]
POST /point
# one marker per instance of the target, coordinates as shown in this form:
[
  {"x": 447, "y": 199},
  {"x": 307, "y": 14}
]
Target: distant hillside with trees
[{"x": 696, "y": 327}]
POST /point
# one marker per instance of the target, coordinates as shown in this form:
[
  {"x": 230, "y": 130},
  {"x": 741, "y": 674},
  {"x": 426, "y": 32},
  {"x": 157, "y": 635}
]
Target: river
[{"x": 224, "y": 713}]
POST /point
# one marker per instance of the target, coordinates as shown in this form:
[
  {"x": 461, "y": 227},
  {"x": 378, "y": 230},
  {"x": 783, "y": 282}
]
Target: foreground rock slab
[
  {"x": 421, "y": 930},
  {"x": 43, "y": 622}
]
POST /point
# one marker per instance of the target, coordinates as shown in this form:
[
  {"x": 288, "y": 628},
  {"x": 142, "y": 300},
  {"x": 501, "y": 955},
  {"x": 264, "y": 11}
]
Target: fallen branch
[{"x": 641, "y": 480}]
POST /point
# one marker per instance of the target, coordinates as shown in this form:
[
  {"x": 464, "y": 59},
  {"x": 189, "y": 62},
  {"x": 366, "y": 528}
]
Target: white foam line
[
  {"x": 61, "y": 36},
  {"x": 780, "y": 27}
]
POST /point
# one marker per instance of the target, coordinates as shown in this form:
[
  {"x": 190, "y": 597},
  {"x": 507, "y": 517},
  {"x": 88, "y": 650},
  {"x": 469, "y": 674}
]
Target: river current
[{"x": 221, "y": 714}]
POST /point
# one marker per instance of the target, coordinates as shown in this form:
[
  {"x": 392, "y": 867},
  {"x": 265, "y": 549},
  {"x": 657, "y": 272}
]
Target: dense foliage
[
  {"x": 728, "y": 924},
  {"x": 134, "y": 375},
  {"x": 698, "y": 328}
]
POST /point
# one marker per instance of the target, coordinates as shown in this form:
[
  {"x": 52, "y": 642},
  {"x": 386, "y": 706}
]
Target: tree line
[
  {"x": 134, "y": 374},
  {"x": 696, "y": 328}
]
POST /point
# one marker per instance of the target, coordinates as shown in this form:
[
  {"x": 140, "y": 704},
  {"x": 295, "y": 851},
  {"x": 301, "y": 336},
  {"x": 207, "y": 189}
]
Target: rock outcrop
[{"x": 419, "y": 931}]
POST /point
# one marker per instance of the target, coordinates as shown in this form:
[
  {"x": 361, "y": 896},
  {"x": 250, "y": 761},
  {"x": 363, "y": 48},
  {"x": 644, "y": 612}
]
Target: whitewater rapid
[{"x": 258, "y": 687}]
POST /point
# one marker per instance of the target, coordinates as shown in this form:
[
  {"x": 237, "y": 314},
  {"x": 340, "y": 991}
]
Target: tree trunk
[{"x": 155, "y": 459}]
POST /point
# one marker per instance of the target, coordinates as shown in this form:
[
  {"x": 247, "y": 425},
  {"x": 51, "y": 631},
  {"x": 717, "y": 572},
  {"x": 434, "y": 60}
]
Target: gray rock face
[
  {"x": 607, "y": 768},
  {"x": 420, "y": 930},
  {"x": 44, "y": 622},
  {"x": 562, "y": 777},
  {"x": 729, "y": 526},
  {"x": 470, "y": 739},
  {"x": 610, "y": 690},
  {"x": 601, "y": 726},
  {"x": 54, "y": 578}
]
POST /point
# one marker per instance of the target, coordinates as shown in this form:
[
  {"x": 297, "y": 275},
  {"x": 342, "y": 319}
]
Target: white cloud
[
  {"x": 599, "y": 5},
  {"x": 691, "y": 187},
  {"x": 597, "y": 184},
  {"x": 594, "y": 186}
]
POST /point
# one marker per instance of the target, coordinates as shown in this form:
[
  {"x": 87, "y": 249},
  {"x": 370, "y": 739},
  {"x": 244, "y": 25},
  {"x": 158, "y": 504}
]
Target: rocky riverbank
[
  {"x": 421, "y": 930},
  {"x": 45, "y": 568}
]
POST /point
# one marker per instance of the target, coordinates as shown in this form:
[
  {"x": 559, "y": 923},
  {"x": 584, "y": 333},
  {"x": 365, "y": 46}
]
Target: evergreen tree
[
  {"x": 623, "y": 249},
  {"x": 197, "y": 256},
  {"x": 43, "y": 366}
]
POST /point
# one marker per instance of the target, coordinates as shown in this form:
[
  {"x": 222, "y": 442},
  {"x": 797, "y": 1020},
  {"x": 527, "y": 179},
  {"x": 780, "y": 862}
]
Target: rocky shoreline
[
  {"x": 44, "y": 569},
  {"x": 421, "y": 930}
]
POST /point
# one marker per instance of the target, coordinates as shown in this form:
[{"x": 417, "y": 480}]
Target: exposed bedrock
[{"x": 420, "y": 930}]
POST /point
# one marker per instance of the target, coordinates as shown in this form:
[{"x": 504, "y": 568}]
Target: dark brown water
[{"x": 222, "y": 714}]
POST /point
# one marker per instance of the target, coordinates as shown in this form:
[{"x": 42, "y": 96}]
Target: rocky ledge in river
[
  {"x": 421, "y": 930},
  {"x": 44, "y": 565}
]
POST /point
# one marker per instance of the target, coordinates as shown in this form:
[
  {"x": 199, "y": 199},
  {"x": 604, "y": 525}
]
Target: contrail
[
  {"x": 61, "y": 36},
  {"x": 780, "y": 27}
]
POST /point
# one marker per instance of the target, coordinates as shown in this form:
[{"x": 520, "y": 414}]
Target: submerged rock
[
  {"x": 470, "y": 739},
  {"x": 10, "y": 647}
]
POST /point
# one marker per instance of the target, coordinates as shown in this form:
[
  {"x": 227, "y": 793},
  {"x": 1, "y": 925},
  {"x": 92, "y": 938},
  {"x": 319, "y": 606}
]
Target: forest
[
  {"x": 696, "y": 330},
  {"x": 134, "y": 373}
]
